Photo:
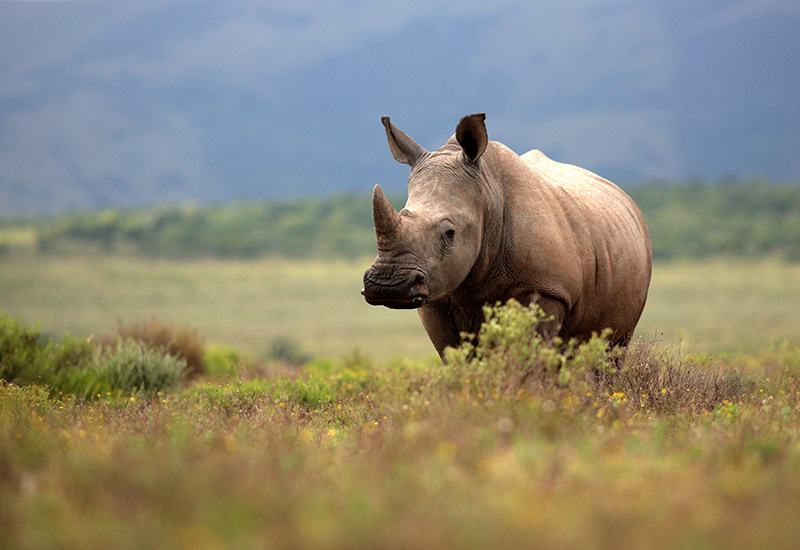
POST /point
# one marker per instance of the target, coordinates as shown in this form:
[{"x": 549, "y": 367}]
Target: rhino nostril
[{"x": 418, "y": 288}]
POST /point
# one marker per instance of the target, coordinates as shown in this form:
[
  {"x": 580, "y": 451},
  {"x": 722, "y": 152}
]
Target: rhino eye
[{"x": 447, "y": 236}]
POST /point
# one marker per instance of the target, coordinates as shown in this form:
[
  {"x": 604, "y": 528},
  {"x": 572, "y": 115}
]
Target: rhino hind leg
[
  {"x": 623, "y": 341},
  {"x": 552, "y": 308}
]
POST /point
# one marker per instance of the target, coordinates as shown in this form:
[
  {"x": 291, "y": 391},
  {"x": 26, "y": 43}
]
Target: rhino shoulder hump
[{"x": 534, "y": 154}]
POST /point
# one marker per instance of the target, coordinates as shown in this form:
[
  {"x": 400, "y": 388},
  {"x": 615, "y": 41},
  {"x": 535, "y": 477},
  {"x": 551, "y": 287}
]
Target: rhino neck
[{"x": 488, "y": 269}]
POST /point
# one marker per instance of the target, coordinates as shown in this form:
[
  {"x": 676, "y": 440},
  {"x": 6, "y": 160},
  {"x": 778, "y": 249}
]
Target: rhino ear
[
  {"x": 471, "y": 135},
  {"x": 404, "y": 149}
]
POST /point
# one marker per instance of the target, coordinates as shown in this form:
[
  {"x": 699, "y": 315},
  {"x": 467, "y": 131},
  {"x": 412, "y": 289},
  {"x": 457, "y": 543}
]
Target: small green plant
[
  {"x": 177, "y": 340},
  {"x": 221, "y": 361},
  {"x": 133, "y": 367},
  {"x": 26, "y": 357},
  {"x": 20, "y": 351},
  {"x": 287, "y": 350},
  {"x": 509, "y": 354}
]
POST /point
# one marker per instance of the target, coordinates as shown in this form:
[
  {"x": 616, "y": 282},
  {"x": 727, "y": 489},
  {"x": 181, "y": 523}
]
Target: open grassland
[
  {"x": 715, "y": 305},
  {"x": 724, "y": 305},
  {"x": 669, "y": 453},
  {"x": 513, "y": 445},
  {"x": 245, "y": 304}
]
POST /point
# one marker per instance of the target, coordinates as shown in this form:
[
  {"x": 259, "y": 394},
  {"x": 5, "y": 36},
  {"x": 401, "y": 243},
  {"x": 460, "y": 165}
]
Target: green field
[
  {"x": 498, "y": 451},
  {"x": 694, "y": 443},
  {"x": 715, "y": 305}
]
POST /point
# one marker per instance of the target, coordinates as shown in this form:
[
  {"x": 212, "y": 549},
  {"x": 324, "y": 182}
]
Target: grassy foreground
[
  {"x": 714, "y": 305},
  {"x": 680, "y": 449},
  {"x": 510, "y": 446}
]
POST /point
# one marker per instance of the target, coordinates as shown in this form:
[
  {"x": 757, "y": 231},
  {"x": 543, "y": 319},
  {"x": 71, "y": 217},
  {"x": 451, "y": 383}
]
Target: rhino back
[{"x": 580, "y": 237}]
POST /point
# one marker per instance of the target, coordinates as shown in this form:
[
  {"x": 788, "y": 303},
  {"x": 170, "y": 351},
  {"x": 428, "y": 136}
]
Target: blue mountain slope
[{"x": 121, "y": 103}]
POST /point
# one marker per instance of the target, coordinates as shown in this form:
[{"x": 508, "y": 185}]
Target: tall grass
[{"x": 502, "y": 446}]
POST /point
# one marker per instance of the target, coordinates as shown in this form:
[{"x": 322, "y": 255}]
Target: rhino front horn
[{"x": 386, "y": 219}]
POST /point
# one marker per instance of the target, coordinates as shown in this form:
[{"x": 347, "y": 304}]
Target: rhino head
[{"x": 428, "y": 249}]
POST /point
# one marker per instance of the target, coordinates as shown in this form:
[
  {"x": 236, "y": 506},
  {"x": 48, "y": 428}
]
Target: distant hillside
[
  {"x": 686, "y": 220},
  {"x": 121, "y": 104}
]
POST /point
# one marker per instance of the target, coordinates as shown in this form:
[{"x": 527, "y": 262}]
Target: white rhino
[{"x": 484, "y": 225}]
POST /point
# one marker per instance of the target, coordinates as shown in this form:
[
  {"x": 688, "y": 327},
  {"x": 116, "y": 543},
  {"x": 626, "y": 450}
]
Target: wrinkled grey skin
[{"x": 483, "y": 224}]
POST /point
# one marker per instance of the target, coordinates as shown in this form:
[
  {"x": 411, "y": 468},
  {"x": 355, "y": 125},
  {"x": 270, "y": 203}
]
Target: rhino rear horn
[
  {"x": 404, "y": 149},
  {"x": 471, "y": 135},
  {"x": 385, "y": 217}
]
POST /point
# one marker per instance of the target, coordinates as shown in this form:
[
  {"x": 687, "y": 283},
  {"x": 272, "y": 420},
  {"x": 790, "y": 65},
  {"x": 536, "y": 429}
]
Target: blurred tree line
[
  {"x": 338, "y": 226},
  {"x": 729, "y": 218},
  {"x": 691, "y": 219}
]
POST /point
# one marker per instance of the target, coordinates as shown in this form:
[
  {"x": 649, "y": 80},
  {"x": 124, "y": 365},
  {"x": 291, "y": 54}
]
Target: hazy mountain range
[{"x": 124, "y": 103}]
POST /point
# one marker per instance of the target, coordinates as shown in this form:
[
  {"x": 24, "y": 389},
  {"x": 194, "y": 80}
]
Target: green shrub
[
  {"x": 287, "y": 350},
  {"x": 20, "y": 351},
  {"x": 26, "y": 357},
  {"x": 76, "y": 366},
  {"x": 509, "y": 354},
  {"x": 222, "y": 361},
  {"x": 133, "y": 367},
  {"x": 66, "y": 365},
  {"x": 180, "y": 341}
]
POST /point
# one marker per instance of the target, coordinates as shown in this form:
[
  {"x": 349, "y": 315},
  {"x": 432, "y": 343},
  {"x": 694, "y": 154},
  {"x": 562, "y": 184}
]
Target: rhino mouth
[
  {"x": 395, "y": 303},
  {"x": 410, "y": 293}
]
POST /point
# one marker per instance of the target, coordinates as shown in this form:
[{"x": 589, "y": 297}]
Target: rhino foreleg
[{"x": 441, "y": 328}]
